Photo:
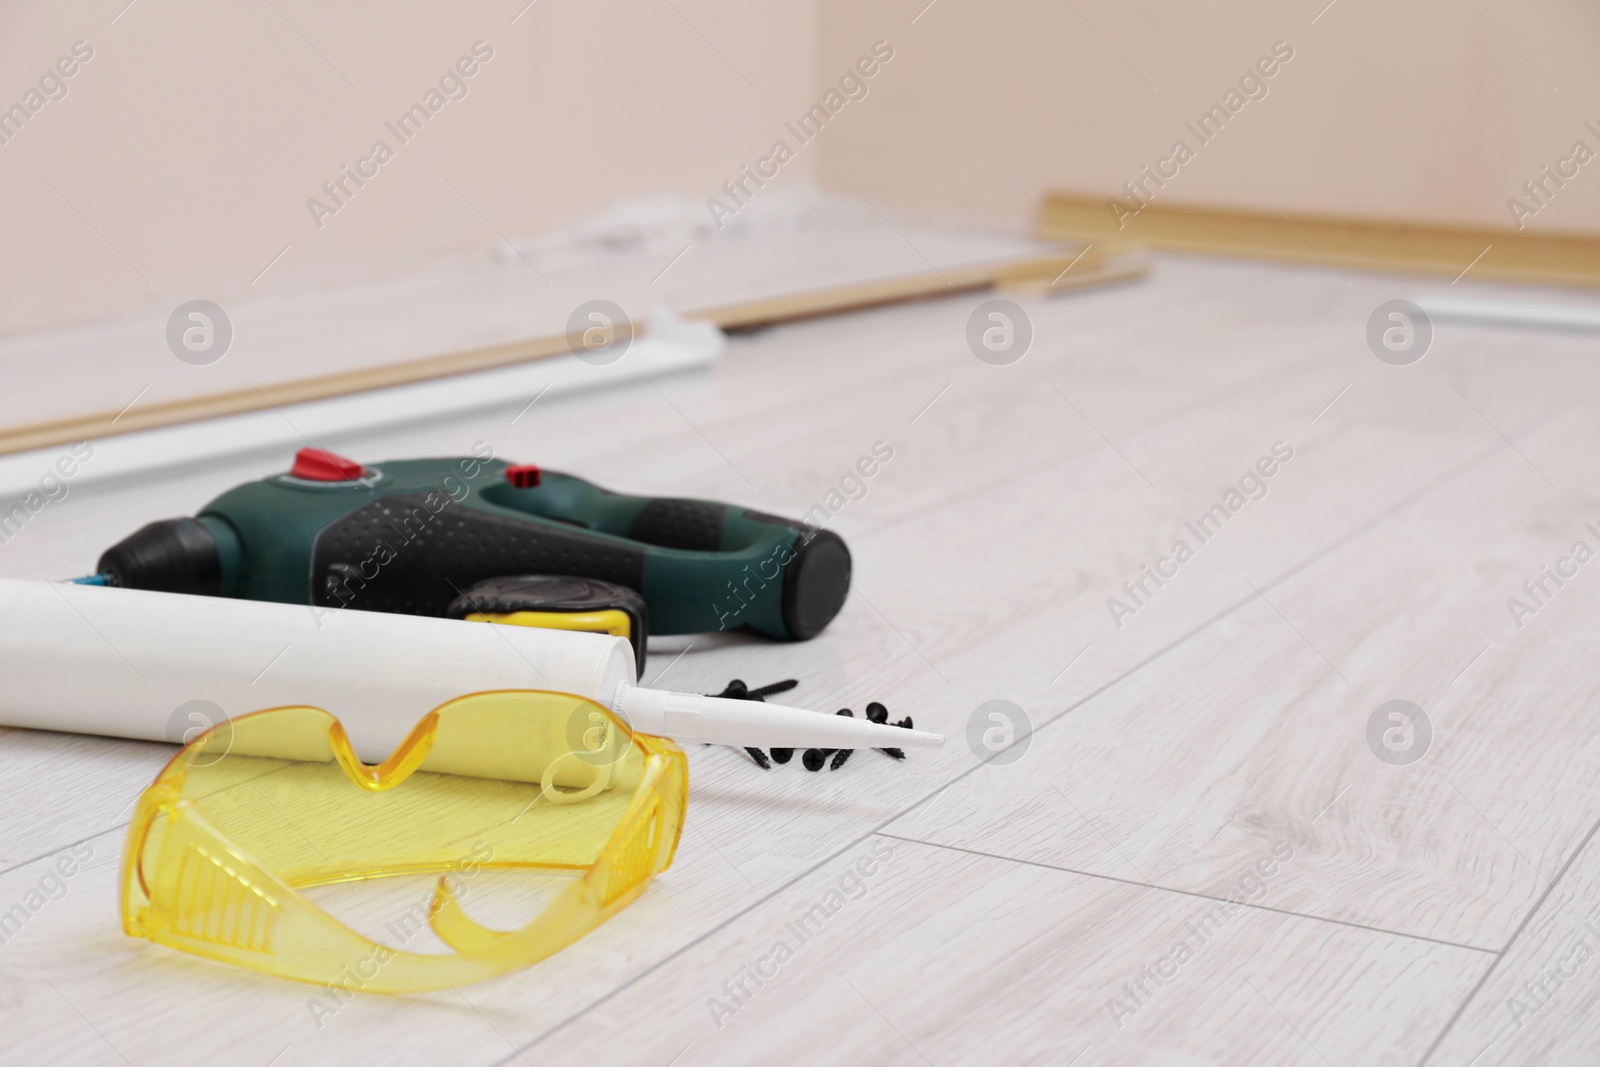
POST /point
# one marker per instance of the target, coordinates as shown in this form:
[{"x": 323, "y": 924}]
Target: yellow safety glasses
[{"x": 254, "y": 811}]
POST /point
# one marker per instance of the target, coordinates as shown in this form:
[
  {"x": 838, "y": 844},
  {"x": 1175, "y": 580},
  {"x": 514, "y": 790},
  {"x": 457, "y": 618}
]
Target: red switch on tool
[
  {"x": 315, "y": 465},
  {"x": 523, "y": 475}
]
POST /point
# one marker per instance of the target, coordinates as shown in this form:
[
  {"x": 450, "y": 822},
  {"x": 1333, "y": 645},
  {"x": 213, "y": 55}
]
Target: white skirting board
[
  {"x": 1469, "y": 311},
  {"x": 669, "y": 344}
]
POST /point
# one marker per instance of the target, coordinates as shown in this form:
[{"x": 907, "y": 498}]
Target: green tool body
[{"x": 415, "y": 537}]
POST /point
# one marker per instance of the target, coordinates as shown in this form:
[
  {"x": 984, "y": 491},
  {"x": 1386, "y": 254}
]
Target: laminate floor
[{"x": 1197, "y": 848}]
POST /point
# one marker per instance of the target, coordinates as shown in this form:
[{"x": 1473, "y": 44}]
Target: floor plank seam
[
  {"x": 1337, "y": 543},
  {"x": 1079, "y": 451},
  {"x": 62, "y": 848},
  {"x": 1523, "y": 925},
  {"x": 724, "y": 924},
  {"x": 1196, "y": 895},
  {"x": 1415, "y": 497}
]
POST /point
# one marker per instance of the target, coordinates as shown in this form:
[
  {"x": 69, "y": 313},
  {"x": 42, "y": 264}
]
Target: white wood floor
[
  {"x": 1213, "y": 746},
  {"x": 435, "y": 308}
]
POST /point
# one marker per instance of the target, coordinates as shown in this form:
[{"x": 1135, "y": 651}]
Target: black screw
[
  {"x": 815, "y": 758},
  {"x": 737, "y": 690},
  {"x": 780, "y": 755},
  {"x": 769, "y": 690}
]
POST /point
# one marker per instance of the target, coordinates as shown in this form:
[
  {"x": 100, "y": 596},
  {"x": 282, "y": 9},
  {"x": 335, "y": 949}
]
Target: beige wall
[
  {"x": 195, "y": 135},
  {"x": 193, "y": 138},
  {"x": 1419, "y": 110}
]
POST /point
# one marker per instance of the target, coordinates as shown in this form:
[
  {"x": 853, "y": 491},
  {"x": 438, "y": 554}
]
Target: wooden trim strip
[
  {"x": 895, "y": 290},
  {"x": 240, "y": 401},
  {"x": 1366, "y": 244},
  {"x": 1028, "y": 270}
]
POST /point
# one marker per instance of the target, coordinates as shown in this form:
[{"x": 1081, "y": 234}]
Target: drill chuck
[{"x": 170, "y": 556}]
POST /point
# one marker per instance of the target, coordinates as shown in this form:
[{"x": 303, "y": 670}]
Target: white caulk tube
[
  {"x": 152, "y": 666},
  {"x": 721, "y": 721}
]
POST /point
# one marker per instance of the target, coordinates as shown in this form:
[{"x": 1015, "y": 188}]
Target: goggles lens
[{"x": 257, "y": 809}]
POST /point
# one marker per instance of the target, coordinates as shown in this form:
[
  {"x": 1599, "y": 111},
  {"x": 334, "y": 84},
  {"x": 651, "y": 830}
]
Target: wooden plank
[
  {"x": 1256, "y": 726},
  {"x": 1056, "y": 272},
  {"x": 932, "y": 954},
  {"x": 1541, "y": 1001},
  {"x": 1367, "y": 244},
  {"x": 239, "y": 401},
  {"x": 1049, "y": 271},
  {"x": 960, "y": 959}
]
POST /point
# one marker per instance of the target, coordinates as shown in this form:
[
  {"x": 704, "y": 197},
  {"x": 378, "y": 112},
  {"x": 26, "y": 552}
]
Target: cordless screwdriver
[{"x": 479, "y": 538}]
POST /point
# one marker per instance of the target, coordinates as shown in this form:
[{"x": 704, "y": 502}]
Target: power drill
[{"x": 478, "y": 538}]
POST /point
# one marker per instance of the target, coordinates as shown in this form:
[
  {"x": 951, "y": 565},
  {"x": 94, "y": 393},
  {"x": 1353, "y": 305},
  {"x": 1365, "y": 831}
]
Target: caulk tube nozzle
[{"x": 690, "y": 717}]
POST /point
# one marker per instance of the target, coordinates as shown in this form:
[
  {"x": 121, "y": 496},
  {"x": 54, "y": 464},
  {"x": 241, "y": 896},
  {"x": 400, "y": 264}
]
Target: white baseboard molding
[
  {"x": 669, "y": 345},
  {"x": 1468, "y": 311}
]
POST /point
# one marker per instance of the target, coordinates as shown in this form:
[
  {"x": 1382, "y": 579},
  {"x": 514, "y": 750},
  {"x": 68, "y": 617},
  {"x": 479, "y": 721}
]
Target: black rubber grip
[
  {"x": 815, "y": 583},
  {"x": 395, "y": 554},
  {"x": 694, "y": 525}
]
